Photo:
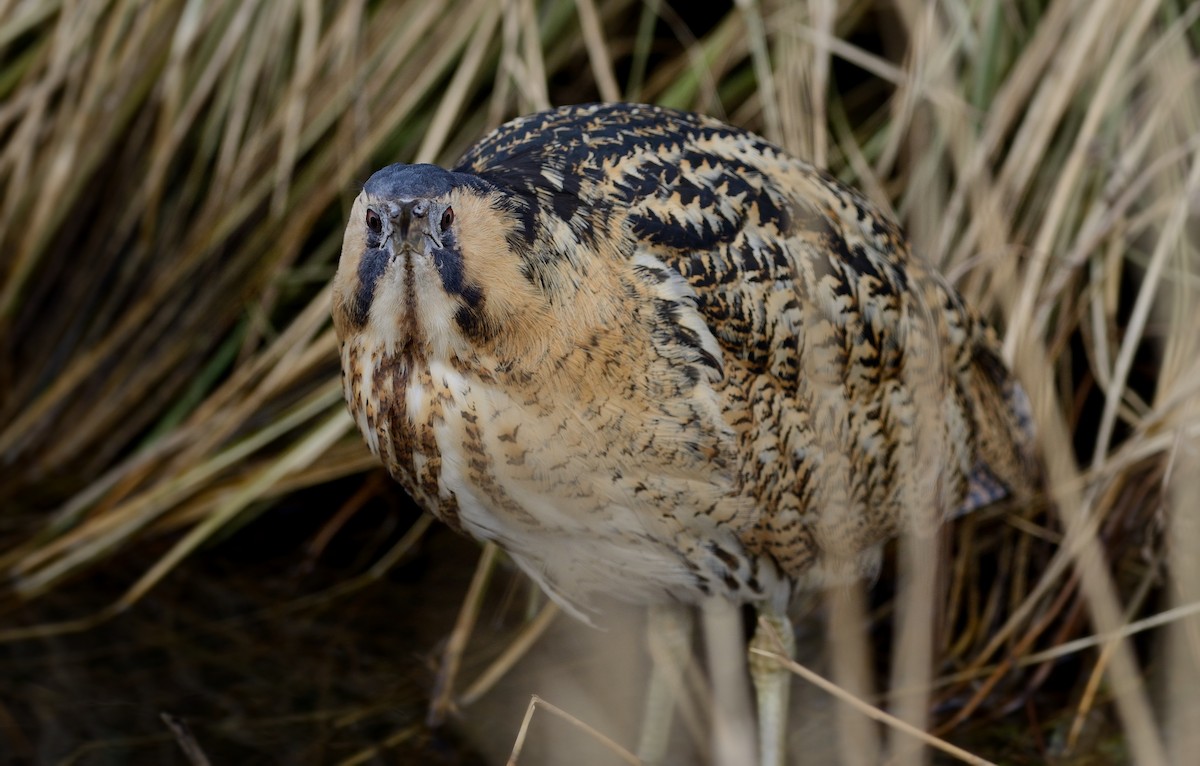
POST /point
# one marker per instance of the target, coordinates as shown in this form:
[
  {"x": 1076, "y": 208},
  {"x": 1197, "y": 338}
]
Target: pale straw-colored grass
[{"x": 174, "y": 177}]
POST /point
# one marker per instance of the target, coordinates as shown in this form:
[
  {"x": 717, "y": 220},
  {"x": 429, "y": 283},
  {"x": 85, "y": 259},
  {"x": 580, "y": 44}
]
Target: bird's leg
[
  {"x": 772, "y": 682},
  {"x": 669, "y": 639}
]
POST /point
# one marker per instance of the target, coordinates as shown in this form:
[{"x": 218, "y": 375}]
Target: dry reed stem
[
  {"x": 730, "y": 733},
  {"x": 1169, "y": 238},
  {"x": 187, "y": 741},
  {"x": 763, "y": 69},
  {"x": 536, "y": 702},
  {"x": 852, "y": 672},
  {"x": 872, "y": 712},
  {"x": 366, "y": 755},
  {"x": 442, "y": 698},
  {"x": 597, "y": 49},
  {"x": 539, "y": 97},
  {"x": 912, "y": 664},
  {"x": 1099, "y": 591},
  {"x": 373, "y": 575},
  {"x": 1054, "y": 98},
  {"x": 511, "y": 655},
  {"x": 488, "y": 14}
]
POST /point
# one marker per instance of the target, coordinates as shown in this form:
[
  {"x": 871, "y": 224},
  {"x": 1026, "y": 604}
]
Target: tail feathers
[
  {"x": 983, "y": 489},
  {"x": 1007, "y": 463}
]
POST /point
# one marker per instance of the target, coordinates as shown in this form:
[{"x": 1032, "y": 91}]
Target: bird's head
[{"x": 429, "y": 265}]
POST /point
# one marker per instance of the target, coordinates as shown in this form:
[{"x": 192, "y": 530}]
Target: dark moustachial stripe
[
  {"x": 449, "y": 262},
  {"x": 370, "y": 269},
  {"x": 470, "y": 316}
]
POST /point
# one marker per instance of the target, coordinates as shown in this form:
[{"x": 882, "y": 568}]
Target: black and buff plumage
[{"x": 653, "y": 356}]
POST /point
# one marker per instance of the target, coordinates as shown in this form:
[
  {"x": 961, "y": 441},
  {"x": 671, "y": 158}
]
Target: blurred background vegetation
[{"x": 188, "y": 523}]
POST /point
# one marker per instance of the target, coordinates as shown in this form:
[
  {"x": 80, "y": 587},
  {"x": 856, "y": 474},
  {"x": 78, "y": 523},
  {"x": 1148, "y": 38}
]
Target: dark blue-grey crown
[{"x": 416, "y": 181}]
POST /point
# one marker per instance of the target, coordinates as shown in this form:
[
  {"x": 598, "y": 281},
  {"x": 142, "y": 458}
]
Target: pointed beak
[{"x": 411, "y": 224}]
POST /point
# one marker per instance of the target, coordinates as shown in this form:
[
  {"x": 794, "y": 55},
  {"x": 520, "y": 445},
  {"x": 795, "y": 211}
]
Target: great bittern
[{"x": 653, "y": 356}]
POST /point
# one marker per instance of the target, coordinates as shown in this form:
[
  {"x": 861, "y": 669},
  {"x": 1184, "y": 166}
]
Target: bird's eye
[
  {"x": 447, "y": 218},
  {"x": 374, "y": 222}
]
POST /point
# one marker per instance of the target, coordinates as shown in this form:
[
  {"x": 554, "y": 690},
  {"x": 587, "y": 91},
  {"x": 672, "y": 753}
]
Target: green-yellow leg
[
  {"x": 772, "y": 683},
  {"x": 669, "y": 638}
]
